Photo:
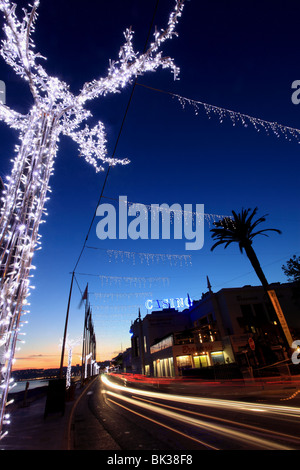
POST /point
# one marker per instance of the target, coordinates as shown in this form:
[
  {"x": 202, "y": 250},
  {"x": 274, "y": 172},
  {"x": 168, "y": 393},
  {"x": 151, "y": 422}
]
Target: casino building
[{"x": 235, "y": 327}]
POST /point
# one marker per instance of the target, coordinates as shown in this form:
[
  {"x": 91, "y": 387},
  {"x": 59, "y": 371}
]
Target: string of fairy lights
[
  {"x": 173, "y": 212},
  {"x": 270, "y": 127}
]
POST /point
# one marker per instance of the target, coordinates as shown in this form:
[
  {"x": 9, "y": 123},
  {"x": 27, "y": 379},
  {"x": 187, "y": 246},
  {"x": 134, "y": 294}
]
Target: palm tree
[{"x": 241, "y": 229}]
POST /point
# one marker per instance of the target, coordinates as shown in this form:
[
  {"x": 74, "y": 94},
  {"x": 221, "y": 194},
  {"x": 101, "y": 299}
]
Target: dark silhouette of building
[{"x": 232, "y": 326}]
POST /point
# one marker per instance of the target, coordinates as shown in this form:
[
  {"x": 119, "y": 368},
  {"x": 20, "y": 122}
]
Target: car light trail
[
  {"x": 212, "y": 402},
  {"x": 211, "y": 427},
  {"x": 161, "y": 424},
  {"x": 228, "y": 421}
]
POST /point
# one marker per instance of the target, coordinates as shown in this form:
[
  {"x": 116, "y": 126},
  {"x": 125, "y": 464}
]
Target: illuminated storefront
[
  {"x": 164, "y": 367},
  {"x": 154, "y": 357},
  {"x": 169, "y": 359},
  {"x": 162, "y": 357},
  {"x": 201, "y": 360},
  {"x": 215, "y": 331}
]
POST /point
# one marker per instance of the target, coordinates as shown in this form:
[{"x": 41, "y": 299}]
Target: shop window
[
  {"x": 184, "y": 361},
  {"x": 158, "y": 368},
  {"x": 197, "y": 362},
  {"x": 204, "y": 360},
  {"x": 200, "y": 361},
  {"x": 164, "y": 367},
  {"x": 171, "y": 366},
  {"x": 217, "y": 357}
]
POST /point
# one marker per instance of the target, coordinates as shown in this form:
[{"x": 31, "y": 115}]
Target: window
[
  {"x": 217, "y": 357},
  {"x": 163, "y": 344},
  {"x": 201, "y": 361},
  {"x": 248, "y": 318},
  {"x": 163, "y": 367},
  {"x": 208, "y": 333},
  {"x": 184, "y": 361},
  {"x": 260, "y": 313}
]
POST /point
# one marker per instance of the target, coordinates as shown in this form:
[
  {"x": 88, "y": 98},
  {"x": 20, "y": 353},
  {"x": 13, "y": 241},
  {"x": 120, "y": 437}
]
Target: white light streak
[
  {"x": 208, "y": 402},
  {"x": 211, "y": 427}
]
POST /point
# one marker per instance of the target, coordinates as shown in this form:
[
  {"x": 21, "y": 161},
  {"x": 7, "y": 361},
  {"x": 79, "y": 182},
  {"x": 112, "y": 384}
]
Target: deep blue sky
[{"x": 239, "y": 55}]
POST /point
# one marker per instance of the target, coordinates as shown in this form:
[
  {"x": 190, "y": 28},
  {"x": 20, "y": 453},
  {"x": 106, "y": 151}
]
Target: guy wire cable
[
  {"x": 117, "y": 141},
  {"x": 93, "y": 218}
]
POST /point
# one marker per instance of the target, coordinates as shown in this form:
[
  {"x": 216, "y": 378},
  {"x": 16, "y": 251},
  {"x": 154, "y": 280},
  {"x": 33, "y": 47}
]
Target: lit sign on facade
[{"x": 178, "y": 302}]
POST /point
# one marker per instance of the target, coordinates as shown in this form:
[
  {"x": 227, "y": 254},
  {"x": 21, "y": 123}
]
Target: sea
[{"x": 21, "y": 385}]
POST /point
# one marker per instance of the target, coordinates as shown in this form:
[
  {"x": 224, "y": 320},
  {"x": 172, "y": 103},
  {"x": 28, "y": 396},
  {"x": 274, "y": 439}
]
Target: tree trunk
[
  {"x": 256, "y": 265},
  {"x": 21, "y": 212}
]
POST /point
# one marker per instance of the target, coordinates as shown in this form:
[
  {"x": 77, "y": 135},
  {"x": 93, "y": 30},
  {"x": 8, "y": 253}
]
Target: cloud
[{"x": 34, "y": 356}]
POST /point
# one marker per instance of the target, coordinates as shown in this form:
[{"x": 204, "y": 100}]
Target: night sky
[{"x": 242, "y": 56}]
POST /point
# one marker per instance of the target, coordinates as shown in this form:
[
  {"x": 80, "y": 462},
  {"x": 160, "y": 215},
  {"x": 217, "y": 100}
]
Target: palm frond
[{"x": 239, "y": 228}]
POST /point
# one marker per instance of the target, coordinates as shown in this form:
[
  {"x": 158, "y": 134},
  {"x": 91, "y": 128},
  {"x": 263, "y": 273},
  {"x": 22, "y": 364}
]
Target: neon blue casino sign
[{"x": 178, "y": 302}]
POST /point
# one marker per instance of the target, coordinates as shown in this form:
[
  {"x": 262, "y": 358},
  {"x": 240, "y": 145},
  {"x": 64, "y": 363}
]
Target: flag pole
[
  {"x": 83, "y": 359},
  {"x": 65, "y": 332}
]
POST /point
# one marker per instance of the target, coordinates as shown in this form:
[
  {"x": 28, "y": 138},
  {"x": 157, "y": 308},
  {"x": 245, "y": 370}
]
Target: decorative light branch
[{"x": 55, "y": 111}]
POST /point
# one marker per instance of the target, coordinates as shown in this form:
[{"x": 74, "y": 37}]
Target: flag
[{"x": 84, "y": 296}]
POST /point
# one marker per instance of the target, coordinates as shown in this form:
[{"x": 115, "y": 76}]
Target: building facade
[
  {"x": 149, "y": 331},
  {"x": 232, "y": 326}
]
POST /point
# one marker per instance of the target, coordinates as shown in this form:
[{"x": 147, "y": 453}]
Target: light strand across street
[{"x": 236, "y": 117}]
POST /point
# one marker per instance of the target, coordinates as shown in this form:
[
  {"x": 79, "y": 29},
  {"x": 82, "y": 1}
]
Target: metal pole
[
  {"x": 83, "y": 359},
  {"x": 65, "y": 332}
]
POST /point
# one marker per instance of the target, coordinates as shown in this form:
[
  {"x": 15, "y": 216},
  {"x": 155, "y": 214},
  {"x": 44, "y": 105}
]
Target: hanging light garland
[
  {"x": 170, "y": 212},
  {"x": 279, "y": 130},
  {"x": 120, "y": 295},
  {"x": 55, "y": 111},
  {"x": 114, "y": 308},
  {"x": 136, "y": 281},
  {"x": 133, "y": 256},
  {"x": 149, "y": 258},
  {"x": 133, "y": 281}
]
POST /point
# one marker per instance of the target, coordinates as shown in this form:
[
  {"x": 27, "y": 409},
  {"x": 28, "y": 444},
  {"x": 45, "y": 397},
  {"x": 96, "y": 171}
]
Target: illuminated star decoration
[{"x": 55, "y": 111}]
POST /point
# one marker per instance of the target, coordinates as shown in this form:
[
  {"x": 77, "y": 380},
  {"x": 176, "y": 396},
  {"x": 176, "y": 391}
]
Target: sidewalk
[{"x": 30, "y": 430}]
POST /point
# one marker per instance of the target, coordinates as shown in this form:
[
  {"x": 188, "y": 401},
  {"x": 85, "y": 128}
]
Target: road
[{"x": 146, "y": 419}]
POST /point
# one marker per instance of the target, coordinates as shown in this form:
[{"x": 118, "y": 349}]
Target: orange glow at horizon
[{"x": 47, "y": 360}]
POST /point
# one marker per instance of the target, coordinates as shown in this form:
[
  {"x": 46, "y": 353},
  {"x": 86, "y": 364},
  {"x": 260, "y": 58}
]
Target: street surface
[{"x": 144, "y": 418}]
